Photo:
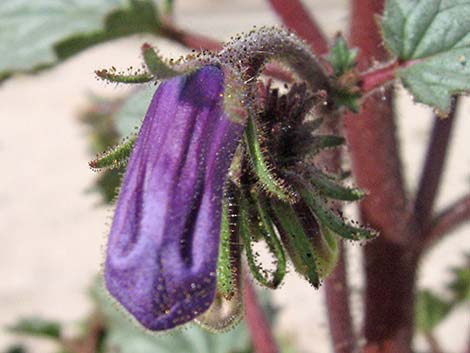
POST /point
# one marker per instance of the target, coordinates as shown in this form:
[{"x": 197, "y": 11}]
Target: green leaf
[
  {"x": 430, "y": 310},
  {"x": 36, "y": 326},
  {"x": 39, "y": 34},
  {"x": 433, "y": 81},
  {"x": 460, "y": 284},
  {"x": 16, "y": 348},
  {"x": 435, "y": 33},
  {"x": 341, "y": 57}
]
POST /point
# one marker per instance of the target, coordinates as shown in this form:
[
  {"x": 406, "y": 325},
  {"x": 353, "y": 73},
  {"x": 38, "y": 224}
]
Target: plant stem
[
  {"x": 258, "y": 326},
  {"x": 390, "y": 264},
  {"x": 452, "y": 217},
  {"x": 433, "y": 344},
  {"x": 336, "y": 285},
  {"x": 433, "y": 167},
  {"x": 188, "y": 39},
  {"x": 339, "y": 313},
  {"x": 376, "y": 77},
  {"x": 296, "y": 17}
]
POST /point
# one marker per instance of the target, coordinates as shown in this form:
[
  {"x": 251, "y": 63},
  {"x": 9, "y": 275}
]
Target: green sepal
[
  {"x": 228, "y": 264},
  {"x": 329, "y": 219},
  {"x": 262, "y": 168},
  {"x": 155, "y": 63},
  {"x": 321, "y": 142},
  {"x": 224, "y": 313},
  {"x": 329, "y": 187},
  {"x": 296, "y": 241},
  {"x": 326, "y": 251},
  {"x": 118, "y": 77},
  {"x": 341, "y": 57},
  {"x": 227, "y": 310},
  {"x": 116, "y": 156},
  {"x": 344, "y": 97},
  {"x": 263, "y": 229}
]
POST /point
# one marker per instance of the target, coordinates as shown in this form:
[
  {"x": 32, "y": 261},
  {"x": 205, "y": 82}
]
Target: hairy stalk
[
  {"x": 296, "y": 17},
  {"x": 259, "y": 46},
  {"x": 200, "y": 42},
  {"x": 433, "y": 167},
  {"x": 390, "y": 264},
  {"x": 260, "y": 331}
]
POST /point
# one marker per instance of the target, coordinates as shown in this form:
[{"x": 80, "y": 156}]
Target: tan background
[{"x": 52, "y": 230}]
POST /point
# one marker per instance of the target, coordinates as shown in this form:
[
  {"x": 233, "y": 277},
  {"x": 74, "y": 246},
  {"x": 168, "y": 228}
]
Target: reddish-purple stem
[
  {"x": 258, "y": 326},
  {"x": 336, "y": 285},
  {"x": 433, "y": 167},
  {"x": 449, "y": 219},
  {"x": 339, "y": 313},
  {"x": 390, "y": 264},
  {"x": 295, "y": 16}
]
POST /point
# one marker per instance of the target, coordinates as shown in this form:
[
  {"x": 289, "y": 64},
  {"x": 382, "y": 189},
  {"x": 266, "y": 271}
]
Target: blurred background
[{"x": 53, "y": 227}]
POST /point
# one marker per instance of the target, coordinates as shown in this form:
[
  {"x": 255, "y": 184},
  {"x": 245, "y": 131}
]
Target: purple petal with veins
[{"x": 163, "y": 247}]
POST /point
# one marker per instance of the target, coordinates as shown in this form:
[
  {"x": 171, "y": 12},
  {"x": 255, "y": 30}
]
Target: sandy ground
[{"x": 52, "y": 230}]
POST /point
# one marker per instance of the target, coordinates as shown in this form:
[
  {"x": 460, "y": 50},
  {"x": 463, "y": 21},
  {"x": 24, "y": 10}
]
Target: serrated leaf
[
  {"x": 435, "y": 80},
  {"x": 423, "y": 28},
  {"x": 36, "y": 326},
  {"x": 38, "y": 34},
  {"x": 341, "y": 57},
  {"x": 436, "y": 33},
  {"x": 430, "y": 310}
]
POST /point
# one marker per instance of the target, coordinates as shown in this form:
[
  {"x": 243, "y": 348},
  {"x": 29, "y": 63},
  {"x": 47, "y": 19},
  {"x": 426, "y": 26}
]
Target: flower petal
[{"x": 162, "y": 249}]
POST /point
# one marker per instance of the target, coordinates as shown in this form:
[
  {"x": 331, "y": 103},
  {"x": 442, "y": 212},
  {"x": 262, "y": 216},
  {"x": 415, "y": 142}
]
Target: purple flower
[{"x": 163, "y": 246}]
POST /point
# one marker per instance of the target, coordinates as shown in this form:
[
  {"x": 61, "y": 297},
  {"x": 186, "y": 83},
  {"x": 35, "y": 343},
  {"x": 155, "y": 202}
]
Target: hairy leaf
[
  {"x": 38, "y": 34},
  {"x": 341, "y": 57},
  {"x": 436, "y": 34}
]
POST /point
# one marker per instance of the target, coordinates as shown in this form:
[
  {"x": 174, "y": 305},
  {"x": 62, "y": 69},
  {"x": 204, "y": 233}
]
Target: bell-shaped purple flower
[{"x": 163, "y": 247}]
